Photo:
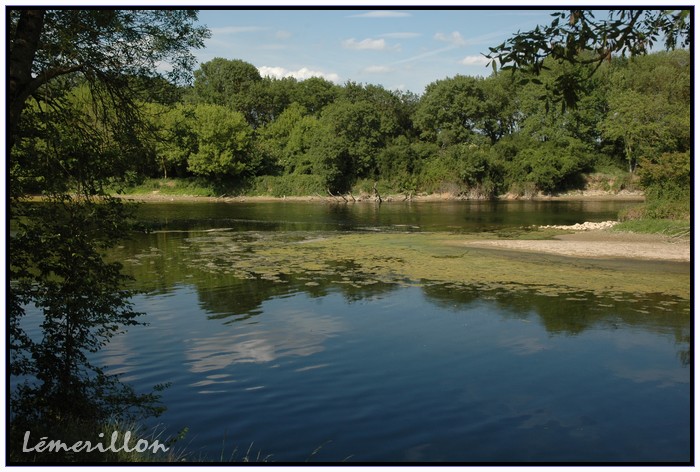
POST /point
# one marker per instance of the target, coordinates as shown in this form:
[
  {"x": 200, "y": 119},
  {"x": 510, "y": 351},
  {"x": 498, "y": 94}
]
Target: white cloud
[
  {"x": 236, "y": 29},
  {"x": 377, "y": 69},
  {"x": 299, "y": 74},
  {"x": 477, "y": 60},
  {"x": 382, "y": 14},
  {"x": 423, "y": 55},
  {"x": 282, "y": 34},
  {"x": 400, "y": 35},
  {"x": 454, "y": 38},
  {"x": 365, "y": 44}
]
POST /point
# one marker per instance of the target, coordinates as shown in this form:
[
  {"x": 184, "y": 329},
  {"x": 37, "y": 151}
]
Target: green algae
[{"x": 423, "y": 258}]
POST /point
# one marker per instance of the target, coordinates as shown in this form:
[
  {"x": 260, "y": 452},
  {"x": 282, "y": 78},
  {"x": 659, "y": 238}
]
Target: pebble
[{"x": 587, "y": 226}]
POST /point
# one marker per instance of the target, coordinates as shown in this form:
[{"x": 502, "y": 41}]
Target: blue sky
[{"x": 404, "y": 49}]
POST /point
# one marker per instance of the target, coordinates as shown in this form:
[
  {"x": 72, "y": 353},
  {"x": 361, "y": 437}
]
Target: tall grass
[{"x": 671, "y": 228}]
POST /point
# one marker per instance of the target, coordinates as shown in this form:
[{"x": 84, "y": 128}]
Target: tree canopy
[
  {"x": 106, "y": 47},
  {"x": 572, "y": 33},
  {"x": 78, "y": 80}
]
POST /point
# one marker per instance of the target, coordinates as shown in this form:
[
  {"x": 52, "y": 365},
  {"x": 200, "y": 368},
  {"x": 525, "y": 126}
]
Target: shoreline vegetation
[
  {"x": 182, "y": 190},
  {"x": 398, "y": 198}
]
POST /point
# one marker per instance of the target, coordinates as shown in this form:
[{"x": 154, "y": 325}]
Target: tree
[
  {"x": 229, "y": 83},
  {"x": 268, "y": 98},
  {"x": 649, "y": 106},
  {"x": 173, "y": 138},
  {"x": 74, "y": 120},
  {"x": 465, "y": 110},
  {"x": 56, "y": 265},
  {"x": 574, "y": 32},
  {"x": 286, "y": 140},
  {"x": 315, "y": 94},
  {"x": 346, "y": 143},
  {"x": 223, "y": 142},
  {"x": 106, "y": 47},
  {"x": 449, "y": 111}
]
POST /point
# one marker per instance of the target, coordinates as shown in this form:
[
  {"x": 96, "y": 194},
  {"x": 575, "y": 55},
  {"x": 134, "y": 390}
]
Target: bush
[
  {"x": 288, "y": 185},
  {"x": 551, "y": 166},
  {"x": 667, "y": 177},
  {"x": 439, "y": 175},
  {"x": 669, "y": 210}
]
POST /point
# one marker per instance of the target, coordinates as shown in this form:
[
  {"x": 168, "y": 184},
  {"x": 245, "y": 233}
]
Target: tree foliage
[
  {"x": 476, "y": 135},
  {"x": 223, "y": 142},
  {"x": 574, "y": 32},
  {"x": 56, "y": 266},
  {"x": 77, "y": 84},
  {"x": 106, "y": 47}
]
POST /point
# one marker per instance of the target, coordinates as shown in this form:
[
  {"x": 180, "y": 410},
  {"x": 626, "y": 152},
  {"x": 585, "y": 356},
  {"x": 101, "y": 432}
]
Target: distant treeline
[{"x": 467, "y": 135}]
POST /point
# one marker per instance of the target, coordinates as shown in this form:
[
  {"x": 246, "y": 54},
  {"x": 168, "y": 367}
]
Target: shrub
[
  {"x": 288, "y": 185},
  {"x": 667, "y": 177}
]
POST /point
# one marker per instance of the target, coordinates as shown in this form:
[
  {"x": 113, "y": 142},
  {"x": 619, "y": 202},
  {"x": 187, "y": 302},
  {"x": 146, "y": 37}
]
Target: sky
[{"x": 400, "y": 49}]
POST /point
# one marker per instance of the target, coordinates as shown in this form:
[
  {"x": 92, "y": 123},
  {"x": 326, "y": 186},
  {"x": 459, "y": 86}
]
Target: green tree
[
  {"x": 550, "y": 166},
  {"x": 315, "y": 94},
  {"x": 465, "y": 110},
  {"x": 649, "y": 106},
  {"x": 223, "y": 143},
  {"x": 56, "y": 265},
  {"x": 67, "y": 152},
  {"x": 449, "y": 111},
  {"x": 219, "y": 81},
  {"x": 632, "y": 118},
  {"x": 230, "y": 83},
  {"x": 574, "y": 32},
  {"x": 394, "y": 108},
  {"x": 287, "y": 139},
  {"x": 667, "y": 183},
  {"x": 346, "y": 143},
  {"x": 269, "y": 98},
  {"x": 107, "y": 47},
  {"x": 174, "y": 137}
]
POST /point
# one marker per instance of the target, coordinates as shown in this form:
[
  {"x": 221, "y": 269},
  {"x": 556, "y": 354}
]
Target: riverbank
[{"x": 581, "y": 195}]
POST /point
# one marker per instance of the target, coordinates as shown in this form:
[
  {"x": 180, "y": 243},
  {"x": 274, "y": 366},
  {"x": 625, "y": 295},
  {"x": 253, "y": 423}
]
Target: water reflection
[
  {"x": 487, "y": 378},
  {"x": 290, "y": 334},
  {"x": 233, "y": 283},
  {"x": 390, "y": 368},
  {"x": 426, "y": 216}
]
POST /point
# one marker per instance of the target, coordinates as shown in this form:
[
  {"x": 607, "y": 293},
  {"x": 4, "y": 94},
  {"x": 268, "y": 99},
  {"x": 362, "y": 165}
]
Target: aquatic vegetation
[{"x": 361, "y": 259}]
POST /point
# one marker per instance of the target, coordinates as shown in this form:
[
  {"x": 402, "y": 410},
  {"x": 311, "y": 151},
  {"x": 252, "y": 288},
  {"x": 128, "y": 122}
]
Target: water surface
[{"x": 346, "y": 355}]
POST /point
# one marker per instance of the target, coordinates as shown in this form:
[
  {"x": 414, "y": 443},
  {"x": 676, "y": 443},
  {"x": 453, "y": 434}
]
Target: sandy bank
[{"x": 600, "y": 244}]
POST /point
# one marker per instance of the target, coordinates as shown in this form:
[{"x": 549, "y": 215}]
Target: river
[{"x": 332, "y": 332}]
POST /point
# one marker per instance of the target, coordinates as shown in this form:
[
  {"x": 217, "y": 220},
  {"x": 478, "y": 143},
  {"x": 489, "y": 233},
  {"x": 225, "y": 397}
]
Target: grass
[
  {"x": 670, "y": 217},
  {"x": 301, "y": 185},
  {"x": 611, "y": 179},
  {"x": 177, "y": 186},
  {"x": 672, "y": 228},
  {"x": 287, "y": 185}
]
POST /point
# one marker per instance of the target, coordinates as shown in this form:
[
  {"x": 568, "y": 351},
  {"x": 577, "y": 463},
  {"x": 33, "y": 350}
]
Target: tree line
[{"x": 477, "y": 136}]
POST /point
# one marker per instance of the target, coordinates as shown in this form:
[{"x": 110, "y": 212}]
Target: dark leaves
[{"x": 623, "y": 32}]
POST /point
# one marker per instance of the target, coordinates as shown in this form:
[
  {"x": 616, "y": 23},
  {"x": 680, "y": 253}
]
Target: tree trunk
[{"x": 23, "y": 48}]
